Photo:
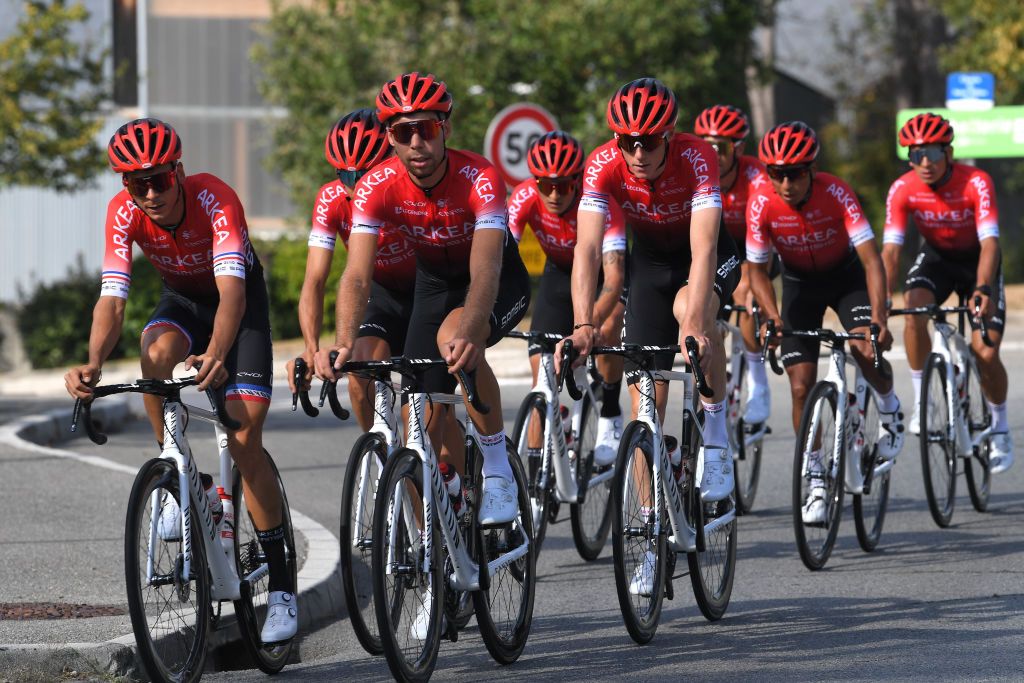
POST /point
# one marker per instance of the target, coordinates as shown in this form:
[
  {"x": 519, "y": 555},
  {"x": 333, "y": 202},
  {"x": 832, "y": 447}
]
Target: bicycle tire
[
  {"x": 159, "y": 477},
  {"x": 401, "y": 477},
  {"x": 591, "y": 520},
  {"x": 505, "y": 637},
  {"x": 978, "y": 467},
  {"x": 870, "y": 506},
  {"x": 746, "y": 469},
  {"x": 356, "y": 562},
  {"x": 938, "y": 451},
  {"x": 640, "y": 613},
  {"x": 251, "y": 609},
  {"x": 815, "y": 547},
  {"x": 534, "y": 407}
]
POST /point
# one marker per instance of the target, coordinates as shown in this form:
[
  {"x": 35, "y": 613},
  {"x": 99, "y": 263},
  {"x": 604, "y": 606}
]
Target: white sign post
[{"x": 510, "y": 135}]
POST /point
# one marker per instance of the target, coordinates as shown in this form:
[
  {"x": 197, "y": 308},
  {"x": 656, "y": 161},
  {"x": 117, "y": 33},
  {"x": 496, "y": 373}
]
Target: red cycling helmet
[
  {"x": 411, "y": 93},
  {"x": 357, "y": 142},
  {"x": 142, "y": 144},
  {"x": 555, "y": 155},
  {"x": 722, "y": 121},
  {"x": 788, "y": 144},
  {"x": 926, "y": 129},
  {"x": 642, "y": 107}
]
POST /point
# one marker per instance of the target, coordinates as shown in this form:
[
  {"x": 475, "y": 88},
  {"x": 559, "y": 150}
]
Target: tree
[
  {"x": 52, "y": 86},
  {"x": 326, "y": 57}
]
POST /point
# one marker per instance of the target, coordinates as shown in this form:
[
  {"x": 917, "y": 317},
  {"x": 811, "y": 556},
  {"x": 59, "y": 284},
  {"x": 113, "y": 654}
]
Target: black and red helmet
[
  {"x": 142, "y": 144},
  {"x": 357, "y": 142},
  {"x": 555, "y": 155},
  {"x": 411, "y": 93},
  {"x": 789, "y": 144},
  {"x": 645, "y": 106},
  {"x": 722, "y": 121},
  {"x": 926, "y": 129}
]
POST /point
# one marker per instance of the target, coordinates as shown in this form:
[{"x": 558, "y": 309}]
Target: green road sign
[{"x": 994, "y": 133}]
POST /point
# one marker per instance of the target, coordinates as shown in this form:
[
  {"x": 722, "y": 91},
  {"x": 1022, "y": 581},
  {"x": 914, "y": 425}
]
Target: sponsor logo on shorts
[{"x": 519, "y": 306}]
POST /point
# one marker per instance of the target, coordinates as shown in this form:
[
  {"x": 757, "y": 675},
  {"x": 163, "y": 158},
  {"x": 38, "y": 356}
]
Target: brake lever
[
  {"x": 982, "y": 325},
  {"x": 299, "y": 379},
  {"x": 566, "y": 377},
  {"x": 83, "y": 410},
  {"x": 767, "y": 351},
  {"x": 692, "y": 352}
]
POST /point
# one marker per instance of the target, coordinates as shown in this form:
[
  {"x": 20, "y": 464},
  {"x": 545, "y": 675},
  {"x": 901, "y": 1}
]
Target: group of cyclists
[{"x": 434, "y": 271}]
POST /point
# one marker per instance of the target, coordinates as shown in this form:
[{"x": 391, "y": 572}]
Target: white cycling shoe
[
  {"x": 609, "y": 432},
  {"x": 759, "y": 404},
  {"x": 813, "y": 511},
  {"x": 282, "y": 618},
  {"x": 1001, "y": 453},
  {"x": 717, "y": 482},
  {"x": 498, "y": 502},
  {"x": 168, "y": 527},
  {"x": 890, "y": 433},
  {"x": 642, "y": 582},
  {"x": 420, "y": 626},
  {"x": 914, "y": 427}
]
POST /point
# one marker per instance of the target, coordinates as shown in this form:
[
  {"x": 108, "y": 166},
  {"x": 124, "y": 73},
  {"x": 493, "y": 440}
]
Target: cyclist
[
  {"x": 471, "y": 285},
  {"x": 549, "y": 203},
  {"x": 725, "y": 128},
  {"x": 954, "y": 208},
  {"x": 829, "y": 260},
  {"x": 213, "y": 309}
]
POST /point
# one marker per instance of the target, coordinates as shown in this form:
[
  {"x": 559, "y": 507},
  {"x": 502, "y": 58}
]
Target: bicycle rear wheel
[
  {"x": 504, "y": 612},
  {"x": 407, "y": 595},
  {"x": 252, "y": 608},
  {"x": 592, "y": 519},
  {"x": 977, "y": 468},
  {"x": 746, "y": 467},
  {"x": 870, "y": 505},
  {"x": 817, "y": 432},
  {"x": 170, "y": 612},
  {"x": 356, "y": 536},
  {"x": 633, "y": 534},
  {"x": 938, "y": 451},
  {"x": 533, "y": 416}
]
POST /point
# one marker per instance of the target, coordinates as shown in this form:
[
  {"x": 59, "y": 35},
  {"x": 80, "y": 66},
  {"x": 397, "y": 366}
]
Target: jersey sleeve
[
  {"x": 854, "y": 218},
  {"x": 614, "y": 229},
  {"x": 758, "y": 229},
  {"x": 597, "y": 175},
  {"x": 703, "y": 166},
  {"x": 230, "y": 235},
  {"x": 895, "y": 214},
  {"x": 116, "y": 277},
  {"x": 518, "y": 208},
  {"x": 487, "y": 200},
  {"x": 325, "y": 223},
  {"x": 986, "y": 216}
]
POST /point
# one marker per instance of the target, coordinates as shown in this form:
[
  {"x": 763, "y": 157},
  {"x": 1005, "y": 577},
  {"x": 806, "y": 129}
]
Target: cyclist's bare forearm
[
  {"x": 764, "y": 293},
  {"x": 586, "y": 261},
  {"x": 230, "y": 310},
  {"x": 875, "y": 274},
  {"x": 311, "y": 301},
  {"x": 354, "y": 288},
  {"x": 613, "y": 267},
  {"x": 988, "y": 262},
  {"x": 891, "y": 262},
  {"x": 107, "y": 319},
  {"x": 484, "y": 275},
  {"x": 703, "y": 240}
]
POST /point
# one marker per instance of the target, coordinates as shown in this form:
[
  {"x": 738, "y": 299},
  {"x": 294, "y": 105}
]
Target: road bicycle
[
  {"x": 556, "y": 446},
  {"x": 844, "y": 427},
  {"x": 179, "y": 580},
  {"x": 956, "y": 421},
  {"x": 655, "y": 511}
]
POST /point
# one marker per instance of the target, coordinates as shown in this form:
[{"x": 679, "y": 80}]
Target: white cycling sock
[
  {"x": 888, "y": 403},
  {"x": 998, "y": 417},
  {"x": 495, "y": 456},
  {"x": 755, "y": 366},
  {"x": 915, "y": 380},
  {"x": 716, "y": 431}
]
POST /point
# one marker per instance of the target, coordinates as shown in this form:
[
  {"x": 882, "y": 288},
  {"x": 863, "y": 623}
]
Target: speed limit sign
[{"x": 511, "y": 133}]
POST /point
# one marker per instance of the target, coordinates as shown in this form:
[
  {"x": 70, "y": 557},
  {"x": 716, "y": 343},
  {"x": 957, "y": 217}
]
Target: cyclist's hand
[
  {"x": 212, "y": 374},
  {"x": 985, "y": 307},
  {"x": 307, "y": 356},
  {"x": 884, "y": 337},
  {"x": 583, "y": 340},
  {"x": 462, "y": 353},
  {"x": 322, "y": 362},
  {"x": 703, "y": 345},
  {"x": 774, "y": 340},
  {"x": 79, "y": 381}
]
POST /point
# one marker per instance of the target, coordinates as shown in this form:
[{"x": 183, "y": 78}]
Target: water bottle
[
  {"x": 213, "y": 498},
  {"x": 453, "y": 484},
  {"x": 227, "y": 523},
  {"x": 675, "y": 457},
  {"x": 566, "y": 424}
]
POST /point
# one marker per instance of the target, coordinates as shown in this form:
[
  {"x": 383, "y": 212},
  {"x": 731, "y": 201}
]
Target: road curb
[{"x": 320, "y": 597}]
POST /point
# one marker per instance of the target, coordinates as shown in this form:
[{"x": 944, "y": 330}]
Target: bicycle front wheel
[
  {"x": 938, "y": 451},
  {"x": 170, "y": 612},
  {"x": 978, "y": 468},
  {"x": 249, "y": 556},
  {"x": 356, "y": 536},
  {"x": 870, "y": 505},
  {"x": 407, "y": 593},
  {"x": 592, "y": 519},
  {"x": 818, "y": 482},
  {"x": 532, "y": 417},
  {"x": 638, "y": 548}
]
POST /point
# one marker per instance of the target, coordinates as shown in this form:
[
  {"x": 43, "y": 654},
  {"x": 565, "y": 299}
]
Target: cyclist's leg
[
  {"x": 803, "y": 308},
  {"x": 552, "y": 312},
  {"x": 927, "y": 283},
  {"x": 994, "y": 382},
  {"x": 167, "y": 339},
  {"x": 610, "y": 366},
  {"x": 381, "y": 335}
]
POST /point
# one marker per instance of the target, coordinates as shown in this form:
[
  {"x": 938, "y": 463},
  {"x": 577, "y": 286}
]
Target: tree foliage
[
  {"x": 51, "y": 87},
  {"x": 326, "y": 57}
]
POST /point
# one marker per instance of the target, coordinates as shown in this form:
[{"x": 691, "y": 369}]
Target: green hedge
[{"x": 284, "y": 261}]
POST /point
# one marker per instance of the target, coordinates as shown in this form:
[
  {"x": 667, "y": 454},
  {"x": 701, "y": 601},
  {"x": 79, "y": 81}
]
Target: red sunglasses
[
  {"x": 562, "y": 185},
  {"x": 649, "y": 143},
  {"x": 139, "y": 186},
  {"x": 427, "y": 130}
]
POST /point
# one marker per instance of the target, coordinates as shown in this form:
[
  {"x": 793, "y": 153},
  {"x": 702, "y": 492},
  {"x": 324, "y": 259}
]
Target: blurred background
[{"x": 252, "y": 86}]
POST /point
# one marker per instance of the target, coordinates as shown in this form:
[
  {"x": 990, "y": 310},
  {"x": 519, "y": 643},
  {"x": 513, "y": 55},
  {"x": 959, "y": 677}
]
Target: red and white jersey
[
  {"x": 557, "y": 233},
  {"x": 395, "y": 268},
  {"x": 439, "y": 222},
  {"x": 658, "y": 212},
  {"x": 955, "y": 216},
  {"x": 212, "y": 241},
  {"x": 815, "y": 238},
  {"x": 750, "y": 176}
]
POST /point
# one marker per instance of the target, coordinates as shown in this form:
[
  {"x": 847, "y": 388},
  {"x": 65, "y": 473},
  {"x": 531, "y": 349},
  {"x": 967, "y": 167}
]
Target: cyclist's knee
[
  {"x": 918, "y": 296},
  {"x": 986, "y": 355},
  {"x": 160, "y": 353}
]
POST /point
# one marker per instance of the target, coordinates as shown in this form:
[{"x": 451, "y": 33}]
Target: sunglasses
[
  {"x": 721, "y": 146},
  {"x": 649, "y": 143},
  {"x": 562, "y": 185},
  {"x": 932, "y": 153},
  {"x": 780, "y": 173},
  {"x": 139, "y": 186},
  {"x": 350, "y": 178},
  {"x": 427, "y": 130}
]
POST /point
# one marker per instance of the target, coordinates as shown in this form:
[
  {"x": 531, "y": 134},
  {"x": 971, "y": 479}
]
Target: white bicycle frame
[
  {"x": 732, "y": 386},
  {"x": 385, "y": 424},
  {"x": 951, "y": 345}
]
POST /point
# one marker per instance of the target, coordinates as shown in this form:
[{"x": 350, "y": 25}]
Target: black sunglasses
[
  {"x": 350, "y": 178},
  {"x": 139, "y": 186},
  {"x": 933, "y": 153},
  {"x": 780, "y": 173}
]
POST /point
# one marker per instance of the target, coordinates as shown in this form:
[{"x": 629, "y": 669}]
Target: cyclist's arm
[
  {"x": 893, "y": 234},
  {"x": 614, "y": 269},
  {"x": 484, "y": 275},
  {"x": 867, "y": 251},
  {"x": 230, "y": 310},
  {"x": 311, "y": 300},
  {"x": 891, "y": 262},
  {"x": 354, "y": 287},
  {"x": 586, "y": 261},
  {"x": 703, "y": 242},
  {"x": 764, "y": 292}
]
